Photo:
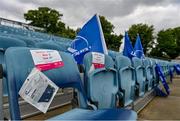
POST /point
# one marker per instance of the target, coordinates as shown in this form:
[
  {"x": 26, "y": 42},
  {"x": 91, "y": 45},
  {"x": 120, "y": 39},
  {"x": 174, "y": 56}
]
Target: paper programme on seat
[{"x": 38, "y": 90}]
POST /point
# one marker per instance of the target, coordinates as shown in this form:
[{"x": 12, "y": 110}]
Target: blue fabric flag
[
  {"x": 171, "y": 74},
  {"x": 177, "y": 69},
  {"x": 163, "y": 81},
  {"x": 89, "y": 38},
  {"x": 128, "y": 48},
  {"x": 138, "y": 49}
]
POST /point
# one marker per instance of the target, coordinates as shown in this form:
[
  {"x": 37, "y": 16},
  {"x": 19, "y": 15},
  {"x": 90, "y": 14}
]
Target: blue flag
[
  {"x": 163, "y": 81},
  {"x": 138, "y": 49},
  {"x": 128, "y": 48},
  {"x": 89, "y": 38},
  {"x": 177, "y": 68}
]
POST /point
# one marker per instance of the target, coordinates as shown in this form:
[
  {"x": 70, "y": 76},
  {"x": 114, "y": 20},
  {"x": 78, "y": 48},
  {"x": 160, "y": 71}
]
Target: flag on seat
[
  {"x": 128, "y": 48},
  {"x": 177, "y": 68},
  {"x": 89, "y": 39},
  {"x": 138, "y": 49},
  {"x": 162, "y": 78}
]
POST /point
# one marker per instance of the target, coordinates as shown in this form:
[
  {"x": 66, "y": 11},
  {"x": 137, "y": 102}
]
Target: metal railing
[{"x": 4, "y": 21}]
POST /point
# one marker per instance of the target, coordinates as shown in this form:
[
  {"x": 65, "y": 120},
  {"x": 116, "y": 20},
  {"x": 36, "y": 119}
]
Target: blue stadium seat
[
  {"x": 148, "y": 73},
  {"x": 139, "y": 75},
  {"x": 6, "y": 42},
  {"x": 31, "y": 37},
  {"x": 103, "y": 114},
  {"x": 126, "y": 78},
  {"x": 101, "y": 84},
  {"x": 113, "y": 54},
  {"x": 48, "y": 45},
  {"x": 63, "y": 45},
  {"x": 29, "y": 41},
  {"x": 66, "y": 76}
]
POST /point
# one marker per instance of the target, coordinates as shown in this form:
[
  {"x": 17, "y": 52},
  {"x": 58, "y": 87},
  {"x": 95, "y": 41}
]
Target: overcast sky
[{"x": 122, "y": 13}]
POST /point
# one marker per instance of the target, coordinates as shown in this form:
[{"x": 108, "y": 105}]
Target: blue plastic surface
[
  {"x": 139, "y": 75},
  {"x": 48, "y": 45},
  {"x": 16, "y": 75},
  {"x": 103, "y": 114},
  {"x": 6, "y": 42},
  {"x": 101, "y": 84},
  {"x": 126, "y": 78},
  {"x": 148, "y": 73},
  {"x": 66, "y": 76}
]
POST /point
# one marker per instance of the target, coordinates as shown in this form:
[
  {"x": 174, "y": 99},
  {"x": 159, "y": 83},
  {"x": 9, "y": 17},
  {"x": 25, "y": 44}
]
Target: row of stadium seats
[
  {"x": 22, "y": 32},
  {"x": 31, "y": 38},
  {"x": 120, "y": 81},
  {"x": 103, "y": 92},
  {"x": 141, "y": 72},
  {"x": 8, "y": 40},
  {"x": 102, "y": 85}
]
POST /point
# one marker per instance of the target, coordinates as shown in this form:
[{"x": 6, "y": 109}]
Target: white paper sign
[
  {"x": 38, "y": 90},
  {"x": 98, "y": 59},
  {"x": 46, "y": 59}
]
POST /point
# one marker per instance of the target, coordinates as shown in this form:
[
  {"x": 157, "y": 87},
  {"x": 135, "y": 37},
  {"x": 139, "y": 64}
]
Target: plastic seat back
[
  {"x": 66, "y": 76},
  {"x": 6, "y": 42},
  {"x": 139, "y": 75},
  {"x": 28, "y": 40},
  {"x": 101, "y": 84},
  {"x": 113, "y": 54},
  {"x": 48, "y": 45},
  {"x": 126, "y": 78},
  {"x": 148, "y": 73},
  {"x": 63, "y": 45}
]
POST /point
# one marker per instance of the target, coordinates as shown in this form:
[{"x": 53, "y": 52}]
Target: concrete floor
[{"x": 164, "y": 108}]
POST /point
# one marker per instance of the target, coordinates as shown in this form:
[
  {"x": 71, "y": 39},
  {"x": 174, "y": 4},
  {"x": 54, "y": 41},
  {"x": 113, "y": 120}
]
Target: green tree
[
  {"x": 167, "y": 44},
  {"x": 176, "y": 32},
  {"x": 113, "y": 40},
  {"x": 146, "y": 33},
  {"x": 49, "y": 19},
  {"x": 68, "y": 33}
]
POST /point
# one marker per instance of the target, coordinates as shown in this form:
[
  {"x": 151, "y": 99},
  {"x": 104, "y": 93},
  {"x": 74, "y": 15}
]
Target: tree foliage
[
  {"x": 177, "y": 37},
  {"x": 49, "y": 19},
  {"x": 113, "y": 40},
  {"x": 146, "y": 34},
  {"x": 168, "y": 43}
]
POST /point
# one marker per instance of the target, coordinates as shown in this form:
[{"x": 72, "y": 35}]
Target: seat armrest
[
  {"x": 1, "y": 71},
  {"x": 140, "y": 67},
  {"x": 119, "y": 95},
  {"x": 131, "y": 67},
  {"x": 91, "y": 106}
]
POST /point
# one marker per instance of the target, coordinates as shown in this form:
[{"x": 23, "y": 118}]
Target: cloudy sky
[{"x": 122, "y": 13}]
